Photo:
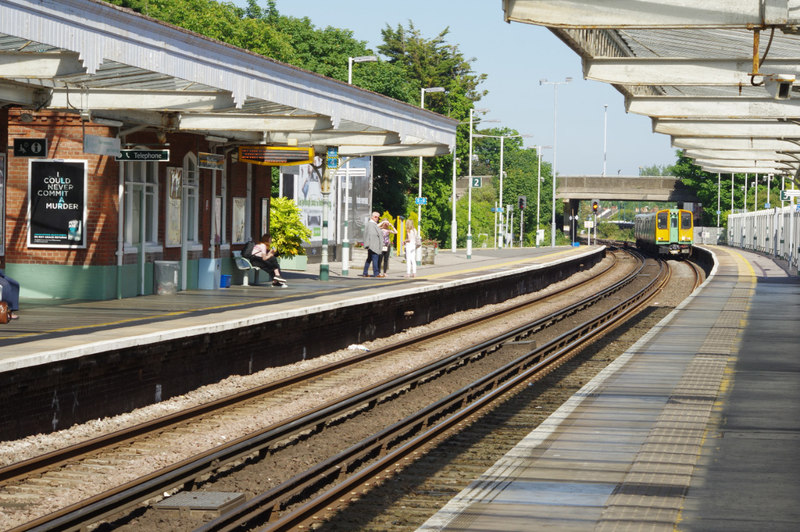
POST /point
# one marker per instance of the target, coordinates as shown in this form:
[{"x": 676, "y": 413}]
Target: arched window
[{"x": 139, "y": 177}]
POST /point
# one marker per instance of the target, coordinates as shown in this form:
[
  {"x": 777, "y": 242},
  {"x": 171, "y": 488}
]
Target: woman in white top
[{"x": 410, "y": 247}]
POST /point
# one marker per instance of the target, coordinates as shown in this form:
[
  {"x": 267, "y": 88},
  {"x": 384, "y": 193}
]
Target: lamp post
[
  {"x": 555, "y": 85},
  {"x": 539, "y": 149},
  {"x": 359, "y": 59},
  {"x": 605, "y": 137},
  {"x": 345, "y": 237},
  {"x": 419, "y": 194},
  {"x": 453, "y": 226},
  {"x": 502, "y": 138},
  {"x": 469, "y": 201}
]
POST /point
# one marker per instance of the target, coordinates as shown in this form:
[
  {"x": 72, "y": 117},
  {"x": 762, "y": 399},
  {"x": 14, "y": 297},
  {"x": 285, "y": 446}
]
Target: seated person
[
  {"x": 10, "y": 294},
  {"x": 266, "y": 257}
]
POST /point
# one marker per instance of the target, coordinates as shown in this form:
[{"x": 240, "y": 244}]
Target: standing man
[{"x": 373, "y": 242}]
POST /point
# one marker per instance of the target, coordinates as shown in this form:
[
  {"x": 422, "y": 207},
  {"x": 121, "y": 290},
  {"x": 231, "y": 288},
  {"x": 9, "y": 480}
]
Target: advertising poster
[
  {"x": 57, "y": 203},
  {"x": 175, "y": 185},
  {"x": 302, "y": 184},
  {"x": 239, "y": 205}
]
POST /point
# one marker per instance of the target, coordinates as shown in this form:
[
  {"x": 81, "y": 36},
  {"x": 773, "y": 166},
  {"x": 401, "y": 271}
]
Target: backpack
[
  {"x": 417, "y": 240},
  {"x": 247, "y": 252}
]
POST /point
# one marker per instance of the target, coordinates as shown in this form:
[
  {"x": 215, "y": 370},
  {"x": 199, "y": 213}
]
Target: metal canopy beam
[
  {"x": 774, "y": 145},
  {"x": 681, "y": 70},
  {"x": 726, "y": 128},
  {"x": 752, "y": 155},
  {"x": 746, "y": 170},
  {"x": 661, "y": 14},
  {"x": 713, "y": 107}
]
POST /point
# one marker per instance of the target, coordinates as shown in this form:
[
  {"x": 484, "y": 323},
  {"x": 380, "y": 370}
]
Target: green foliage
[{"x": 286, "y": 227}]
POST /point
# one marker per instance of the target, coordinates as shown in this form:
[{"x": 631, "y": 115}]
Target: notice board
[{"x": 57, "y": 203}]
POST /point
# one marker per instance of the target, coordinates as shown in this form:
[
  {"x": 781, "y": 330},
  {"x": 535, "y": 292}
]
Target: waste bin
[
  {"x": 208, "y": 274},
  {"x": 165, "y": 276}
]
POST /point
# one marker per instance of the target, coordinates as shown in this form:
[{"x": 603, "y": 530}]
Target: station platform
[
  {"x": 696, "y": 427},
  {"x": 51, "y": 330}
]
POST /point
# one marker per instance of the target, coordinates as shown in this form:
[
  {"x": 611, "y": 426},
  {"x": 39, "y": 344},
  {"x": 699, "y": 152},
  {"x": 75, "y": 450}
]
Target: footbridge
[
  {"x": 623, "y": 188},
  {"x": 573, "y": 189}
]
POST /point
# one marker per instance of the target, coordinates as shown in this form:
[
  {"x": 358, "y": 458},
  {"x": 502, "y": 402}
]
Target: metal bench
[{"x": 245, "y": 266}]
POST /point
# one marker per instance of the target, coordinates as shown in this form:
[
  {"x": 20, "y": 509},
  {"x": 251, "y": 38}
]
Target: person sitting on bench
[{"x": 264, "y": 256}]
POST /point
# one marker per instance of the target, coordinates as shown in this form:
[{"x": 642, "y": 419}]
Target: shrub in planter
[{"x": 287, "y": 228}]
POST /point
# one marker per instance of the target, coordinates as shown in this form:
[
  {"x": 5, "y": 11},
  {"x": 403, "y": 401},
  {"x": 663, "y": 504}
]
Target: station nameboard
[{"x": 275, "y": 155}]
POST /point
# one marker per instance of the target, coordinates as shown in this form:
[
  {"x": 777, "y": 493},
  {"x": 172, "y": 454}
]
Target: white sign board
[{"x": 101, "y": 145}]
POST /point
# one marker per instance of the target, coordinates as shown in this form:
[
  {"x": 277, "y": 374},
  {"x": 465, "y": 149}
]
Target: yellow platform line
[{"x": 263, "y": 301}]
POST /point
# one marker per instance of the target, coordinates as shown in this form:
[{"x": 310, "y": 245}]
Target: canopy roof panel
[
  {"x": 86, "y": 55},
  {"x": 702, "y": 69}
]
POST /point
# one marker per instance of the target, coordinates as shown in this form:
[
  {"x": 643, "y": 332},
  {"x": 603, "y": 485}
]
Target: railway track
[{"x": 204, "y": 464}]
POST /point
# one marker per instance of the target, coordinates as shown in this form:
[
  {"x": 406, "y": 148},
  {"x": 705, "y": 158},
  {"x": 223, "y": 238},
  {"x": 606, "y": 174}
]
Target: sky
[{"x": 515, "y": 57}]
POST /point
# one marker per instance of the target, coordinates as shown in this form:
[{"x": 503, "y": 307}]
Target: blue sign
[
  {"x": 333, "y": 157},
  {"x": 497, "y": 209},
  {"x": 421, "y": 201}
]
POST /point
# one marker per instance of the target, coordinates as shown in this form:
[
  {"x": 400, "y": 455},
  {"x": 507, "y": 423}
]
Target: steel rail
[
  {"x": 50, "y": 460},
  {"x": 393, "y": 445},
  {"x": 109, "y": 503}
]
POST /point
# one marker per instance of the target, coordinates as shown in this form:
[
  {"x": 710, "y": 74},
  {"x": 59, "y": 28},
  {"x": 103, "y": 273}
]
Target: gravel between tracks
[{"x": 21, "y": 449}]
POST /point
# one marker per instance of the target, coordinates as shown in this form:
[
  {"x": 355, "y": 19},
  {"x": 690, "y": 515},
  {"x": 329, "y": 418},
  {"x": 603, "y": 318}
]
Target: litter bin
[
  {"x": 208, "y": 273},
  {"x": 165, "y": 276}
]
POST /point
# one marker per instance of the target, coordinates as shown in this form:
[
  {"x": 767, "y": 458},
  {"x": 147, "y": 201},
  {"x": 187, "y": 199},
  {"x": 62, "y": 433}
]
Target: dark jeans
[
  {"x": 270, "y": 265},
  {"x": 383, "y": 260},
  {"x": 372, "y": 257},
  {"x": 10, "y": 291}
]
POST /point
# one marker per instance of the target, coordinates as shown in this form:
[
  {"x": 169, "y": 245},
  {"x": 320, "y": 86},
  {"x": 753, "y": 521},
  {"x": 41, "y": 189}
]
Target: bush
[{"x": 287, "y": 228}]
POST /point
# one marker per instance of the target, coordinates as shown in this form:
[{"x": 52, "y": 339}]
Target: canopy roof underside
[
  {"x": 90, "y": 57},
  {"x": 719, "y": 76}
]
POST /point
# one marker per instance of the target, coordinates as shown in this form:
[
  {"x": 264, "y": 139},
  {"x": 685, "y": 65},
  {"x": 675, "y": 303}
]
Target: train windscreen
[
  {"x": 662, "y": 220},
  {"x": 686, "y": 220}
]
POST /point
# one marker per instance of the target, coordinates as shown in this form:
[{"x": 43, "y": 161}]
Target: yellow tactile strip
[{"x": 652, "y": 494}]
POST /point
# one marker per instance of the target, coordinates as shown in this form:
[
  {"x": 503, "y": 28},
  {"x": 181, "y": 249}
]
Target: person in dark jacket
[
  {"x": 10, "y": 289},
  {"x": 373, "y": 242}
]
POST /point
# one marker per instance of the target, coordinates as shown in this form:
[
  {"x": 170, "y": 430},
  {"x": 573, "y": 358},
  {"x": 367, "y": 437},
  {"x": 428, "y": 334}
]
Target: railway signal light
[
  {"x": 595, "y": 206},
  {"x": 523, "y": 202}
]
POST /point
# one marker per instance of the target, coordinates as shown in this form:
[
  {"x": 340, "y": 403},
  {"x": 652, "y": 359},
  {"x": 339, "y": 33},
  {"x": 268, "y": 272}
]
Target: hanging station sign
[
  {"x": 143, "y": 155},
  {"x": 211, "y": 161},
  {"x": 275, "y": 155},
  {"x": 57, "y": 203}
]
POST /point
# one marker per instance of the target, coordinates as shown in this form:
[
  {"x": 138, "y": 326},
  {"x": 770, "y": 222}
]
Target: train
[{"x": 665, "y": 232}]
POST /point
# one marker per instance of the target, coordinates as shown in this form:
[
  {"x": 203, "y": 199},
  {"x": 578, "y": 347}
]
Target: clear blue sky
[{"x": 515, "y": 57}]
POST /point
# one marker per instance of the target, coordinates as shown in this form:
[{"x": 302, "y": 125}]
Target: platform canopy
[
  {"x": 110, "y": 63},
  {"x": 720, "y": 73}
]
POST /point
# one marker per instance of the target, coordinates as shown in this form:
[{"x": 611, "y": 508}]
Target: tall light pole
[
  {"x": 555, "y": 85},
  {"x": 539, "y": 149},
  {"x": 345, "y": 238},
  {"x": 419, "y": 195},
  {"x": 469, "y": 202},
  {"x": 453, "y": 226},
  {"x": 605, "y": 131},
  {"x": 502, "y": 207},
  {"x": 359, "y": 59}
]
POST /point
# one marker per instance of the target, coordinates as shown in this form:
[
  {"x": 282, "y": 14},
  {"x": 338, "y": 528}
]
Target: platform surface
[
  {"x": 696, "y": 427},
  {"x": 49, "y": 330}
]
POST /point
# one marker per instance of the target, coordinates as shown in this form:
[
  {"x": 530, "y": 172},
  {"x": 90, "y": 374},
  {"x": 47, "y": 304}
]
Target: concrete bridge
[
  {"x": 573, "y": 189},
  {"x": 624, "y": 188}
]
